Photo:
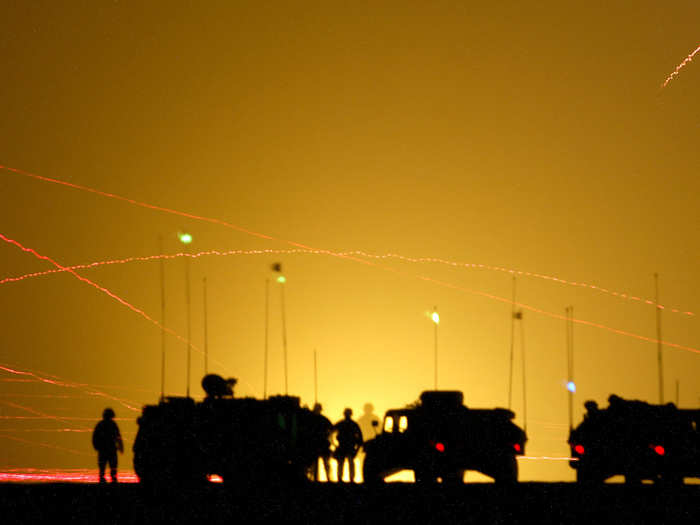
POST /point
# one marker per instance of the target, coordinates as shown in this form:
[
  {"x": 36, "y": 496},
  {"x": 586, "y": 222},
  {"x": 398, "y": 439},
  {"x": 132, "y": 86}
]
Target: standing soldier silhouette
[
  {"x": 107, "y": 439},
  {"x": 349, "y": 438},
  {"x": 322, "y": 442}
]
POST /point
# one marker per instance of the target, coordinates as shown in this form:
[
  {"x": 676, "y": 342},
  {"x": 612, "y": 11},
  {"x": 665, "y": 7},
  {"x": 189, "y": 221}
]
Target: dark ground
[{"x": 359, "y": 504}]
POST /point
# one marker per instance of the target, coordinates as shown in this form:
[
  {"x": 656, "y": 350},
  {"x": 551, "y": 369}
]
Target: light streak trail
[
  {"x": 102, "y": 289},
  {"x": 547, "y": 458},
  {"x": 68, "y": 418},
  {"x": 36, "y": 412},
  {"x": 680, "y": 66},
  {"x": 87, "y": 385},
  {"x": 44, "y": 445},
  {"x": 44, "y": 396},
  {"x": 76, "y": 430},
  {"x": 110, "y": 294},
  {"x": 354, "y": 253},
  {"x": 159, "y": 257},
  {"x": 36, "y": 377},
  {"x": 422, "y": 277},
  {"x": 516, "y": 272},
  {"x": 39, "y": 377},
  {"x": 303, "y": 246},
  {"x": 77, "y": 386},
  {"x": 559, "y": 316},
  {"x": 170, "y": 211},
  {"x": 83, "y": 396},
  {"x": 29, "y": 475},
  {"x": 60, "y": 430},
  {"x": 44, "y": 377}
]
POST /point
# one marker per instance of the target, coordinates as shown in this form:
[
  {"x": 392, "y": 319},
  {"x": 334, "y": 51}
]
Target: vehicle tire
[
  {"x": 371, "y": 471},
  {"x": 588, "y": 476},
  {"x": 455, "y": 477},
  {"x": 632, "y": 480},
  {"x": 670, "y": 480},
  {"x": 424, "y": 475},
  {"x": 507, "y": 472}
]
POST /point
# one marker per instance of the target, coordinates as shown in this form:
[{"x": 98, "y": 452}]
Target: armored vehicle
[
  {"x": 439, "y": 439},
  {"x": 637, "y": 440},
  {"x": 245, "y": 441}
]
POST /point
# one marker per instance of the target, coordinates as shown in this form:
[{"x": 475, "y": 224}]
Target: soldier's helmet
[
  {"x": 591, "y": 406},
  {"x": 108, "y": 413}
]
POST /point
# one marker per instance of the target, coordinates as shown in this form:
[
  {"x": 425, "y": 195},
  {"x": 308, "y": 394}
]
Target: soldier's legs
[
  {"x": 113, "y": 467},
  {"x": 341, "y": 454},
  {"x": 327, "y": 466},
  {"x": 101, "y": 463},
  {"x": 340, "y": 462},
  {"x": 351, "y": 468},
  {"x": 341, "y": 467}
]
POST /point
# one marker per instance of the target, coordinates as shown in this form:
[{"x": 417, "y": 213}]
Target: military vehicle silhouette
[
  {"x": 638, "y": 440},
  {"x": 440, "y": 438},
  {"x": 245, "y": 441}
]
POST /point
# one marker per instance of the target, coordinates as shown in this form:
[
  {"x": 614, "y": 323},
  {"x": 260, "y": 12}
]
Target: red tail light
[
  {"x": 440, "y": 447},
  {"x": 659, "y": 450},
  {"x": 517, "y": 447},
  {"x": 579, "y": 450}
]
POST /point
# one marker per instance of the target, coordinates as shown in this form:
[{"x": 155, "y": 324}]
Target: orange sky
[{"x": 533, "y": 138}]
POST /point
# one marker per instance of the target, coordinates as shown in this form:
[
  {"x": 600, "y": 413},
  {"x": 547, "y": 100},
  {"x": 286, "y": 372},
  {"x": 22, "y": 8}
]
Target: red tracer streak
[
  {"x": 680, "y": 66},
  {"x": 100, "y": 288}
]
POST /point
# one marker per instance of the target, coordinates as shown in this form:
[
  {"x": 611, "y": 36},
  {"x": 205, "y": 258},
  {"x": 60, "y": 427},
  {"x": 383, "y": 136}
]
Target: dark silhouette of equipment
[
  {"x": 216, "y": 386},
  {"x": 245, "y": 441},
  {"x": 439, "y": 437},
  {"x": 637, "y": 440}
]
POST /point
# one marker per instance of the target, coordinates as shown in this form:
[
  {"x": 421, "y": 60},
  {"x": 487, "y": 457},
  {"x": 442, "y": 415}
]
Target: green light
[
  {"x": 185, "y": 238},
  {"x": 435, "y": 317},
  {"x": 281, "y": 279}
]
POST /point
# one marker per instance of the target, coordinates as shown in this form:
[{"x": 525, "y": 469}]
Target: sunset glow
[{"x": 349, "y": 204}]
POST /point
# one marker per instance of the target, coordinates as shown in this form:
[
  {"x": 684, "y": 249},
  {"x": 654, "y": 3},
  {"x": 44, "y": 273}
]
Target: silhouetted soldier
[
  {"x": 592, "y": 409},
  {"x": 349, "y": 441},
  {"x": 323, "y": 434},
  {"x": 107, "y": 439},
  {"x": 368, "y": 422}
]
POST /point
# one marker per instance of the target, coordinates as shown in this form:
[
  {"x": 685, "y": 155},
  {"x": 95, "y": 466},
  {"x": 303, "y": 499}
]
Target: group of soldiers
[
  {"x": 349, "y": 437},
  {"x": 107, "y": 440}
]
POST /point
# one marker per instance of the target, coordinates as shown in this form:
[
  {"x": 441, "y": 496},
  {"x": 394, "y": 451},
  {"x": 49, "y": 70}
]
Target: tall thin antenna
[
  {"x": 267, "y": 331},
  {"x": 436, "y": 321},
  {"x": 162, "y": 319},
  {"x": 315, "y": 379},
  {"x": 189, "y": 322},
  {"x": 570, "y": 385},
  {"x": 519, "y": 315},
  {"x": 512, "y": 347},
  {"x": 284, "y": 340},
  {"x": 659, "y": 345},
  {"x": 206, "y": 331}
]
